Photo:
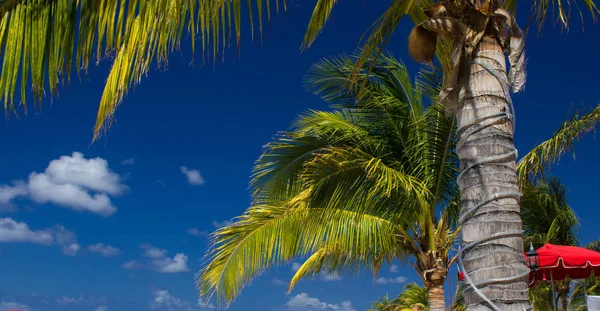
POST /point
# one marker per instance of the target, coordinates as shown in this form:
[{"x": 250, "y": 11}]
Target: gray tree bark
[{"x": 496, "y": 257}]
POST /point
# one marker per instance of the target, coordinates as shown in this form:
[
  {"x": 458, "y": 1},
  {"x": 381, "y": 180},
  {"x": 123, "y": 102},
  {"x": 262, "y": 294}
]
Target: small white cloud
[
  {"x": 279, "y": 282},
  {"x": 296, "y": 266},
  {"x": 394, "y": 268},
  {"x": 8, "y": 193},
  {"x": 304, "y": 302},
  {"x": 12, "y": 231},
  {"x": 152, "y": 251},
  {"x": 133, "y": 265},
  {"x": 193, "y": 176},
  {"x": 158, "y": 261},
  {"x": 196, "y": 232},
  {"x": 165, "y": 301},
  {"x": 176, "y": 265},
  {"x": 331, "y": 277},
  {"x": 129, "y": 161},
  {"x": 396, "y": 280},
  {"x": 104, "y": 250},
  {"x": 101, "y": 308},
  {"x": 65, "y": 300},
  {"x": 221, "y": 224},
  {"x": 10, "y": 305}
]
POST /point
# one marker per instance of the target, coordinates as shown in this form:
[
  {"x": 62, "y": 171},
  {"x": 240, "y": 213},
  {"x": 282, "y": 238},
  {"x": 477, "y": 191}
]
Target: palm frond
[
  {"x": 561, "y": 11},
  {"x": 532, "y": 165},
  {"x": 317, "y": 21},
  {"x": 269, "y": 235}
]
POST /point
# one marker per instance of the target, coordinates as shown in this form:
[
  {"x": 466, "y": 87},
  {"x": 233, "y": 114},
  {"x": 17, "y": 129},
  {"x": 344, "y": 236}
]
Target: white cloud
[
  {"x": 152, "y": 251},
  {"x": 331, "y": 277},
  {"x": 394, "y": 268},
  {"x": 196, "y": 232},
  {"x": 129, "y": 161},
  {"x": 303, "y": 302},
  {"x": 65, "y": 300},
  {"x": 132, "y": 265},
  {"x": 165, "y": 301},
  {"x": 101, "y": 308},
  {"x": 10, "y": 305},
  {"x": 296, "y": 266},
  {"x": 157, "y": 260},
  {"x": 70, "y": 181},
  {"x": 175, "y": 265},
  {"x": 193, "y": 176},
  {"x": 8, "y": 193},
  {"x": 104, "y": 250},
  {"x": 221, "y": 224},
  {"x": 12, "y": 231},
  {"x": 396, "y": 280},
  {"x": 279, "y": 282}
]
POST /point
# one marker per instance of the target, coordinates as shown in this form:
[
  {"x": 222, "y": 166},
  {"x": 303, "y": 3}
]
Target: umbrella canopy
[{"x": 558, "y": 262}]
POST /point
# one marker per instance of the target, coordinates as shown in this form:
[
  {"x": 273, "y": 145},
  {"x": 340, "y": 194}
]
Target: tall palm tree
[{"x": 363, "y": 184}]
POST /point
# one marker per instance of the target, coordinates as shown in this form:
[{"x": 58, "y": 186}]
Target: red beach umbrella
[{"x": 557, "y": 262}]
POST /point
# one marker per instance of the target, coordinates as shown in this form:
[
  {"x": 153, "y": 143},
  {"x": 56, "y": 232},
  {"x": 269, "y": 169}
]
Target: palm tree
[
  {"x": 363, "y": 184},
  {"x": 340, "y": 169}
]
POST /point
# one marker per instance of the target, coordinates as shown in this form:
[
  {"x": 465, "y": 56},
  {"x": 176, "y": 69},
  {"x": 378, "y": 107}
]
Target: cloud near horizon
[
  {"x": 303, "y": 302},
  {"x": 158, "y": 261},
  {"x": 12, "y": 231}
]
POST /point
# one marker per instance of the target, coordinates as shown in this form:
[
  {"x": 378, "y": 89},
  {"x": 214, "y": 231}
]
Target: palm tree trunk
[
  {"x": 435, "y": 298},
  {"x": 492, "y": 241},
  {"x": 564, "y": 297}
]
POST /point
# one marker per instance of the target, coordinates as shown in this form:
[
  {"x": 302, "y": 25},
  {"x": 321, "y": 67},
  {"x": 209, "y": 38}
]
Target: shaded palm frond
[
  {"x": 561, "y": 11},
  {"x": 531, "y": 166},
  {"x": 547, "y": 217},
  {"x": 578, "y": 295}
]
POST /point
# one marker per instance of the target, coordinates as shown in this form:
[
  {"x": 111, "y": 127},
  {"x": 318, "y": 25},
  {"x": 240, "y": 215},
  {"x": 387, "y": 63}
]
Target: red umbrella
[{"x": 558, "y": 261}]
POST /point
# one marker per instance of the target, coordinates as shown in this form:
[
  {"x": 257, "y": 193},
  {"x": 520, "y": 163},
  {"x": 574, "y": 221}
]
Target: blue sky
[{"x": 176, "y": 164}]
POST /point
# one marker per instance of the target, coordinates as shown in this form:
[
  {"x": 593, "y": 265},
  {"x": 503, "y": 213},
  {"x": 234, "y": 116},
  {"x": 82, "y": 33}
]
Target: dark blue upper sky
[{"x": 216, "y": 122}]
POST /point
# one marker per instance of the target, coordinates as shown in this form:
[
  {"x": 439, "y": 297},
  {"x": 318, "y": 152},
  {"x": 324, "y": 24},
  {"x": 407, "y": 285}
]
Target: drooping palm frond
[
  {"x": 270, "y": 235},
  {"x": 532, "y": 165}
]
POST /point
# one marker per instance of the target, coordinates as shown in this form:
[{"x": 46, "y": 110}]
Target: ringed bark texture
[
  {"x": 492, "y": 239},
  {"x": 435, "y": 297}
]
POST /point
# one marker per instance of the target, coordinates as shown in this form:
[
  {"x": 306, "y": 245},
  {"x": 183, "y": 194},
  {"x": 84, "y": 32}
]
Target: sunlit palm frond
[
  {"x": 350, "y": 178},
  {"x": 411, "y": 295},
  {"x": 559, "y": 10},
  {"x": 268, "y": 235},
  {"x": 317, "y": 21},
  {"x": 43, "y": 40},
  {"x": 532, "y": 165}
]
